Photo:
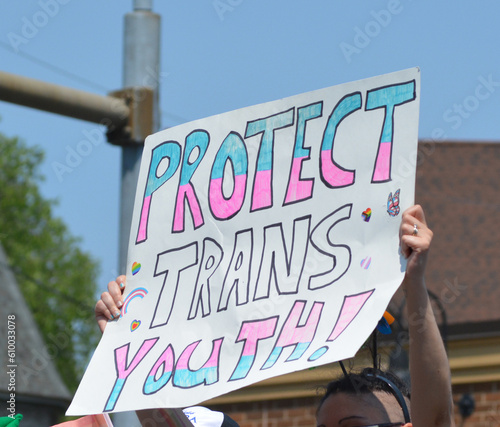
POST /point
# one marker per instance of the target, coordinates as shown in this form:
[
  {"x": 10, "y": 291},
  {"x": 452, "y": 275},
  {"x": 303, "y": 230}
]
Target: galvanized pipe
[
  {"x": 141, "y": 59},
  {"x": 63, "y": 100},
  {"x": 140, "y": 63}
]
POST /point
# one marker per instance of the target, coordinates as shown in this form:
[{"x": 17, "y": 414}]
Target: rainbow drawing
[
  {"x": 134, "y": 325},
  {"x": 136, "y": 293},
  {"x": 136, "y": 267}
]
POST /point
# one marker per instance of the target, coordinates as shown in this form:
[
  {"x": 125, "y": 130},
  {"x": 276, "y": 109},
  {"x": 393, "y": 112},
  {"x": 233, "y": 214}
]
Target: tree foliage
[{"x": 57, "y": 279}]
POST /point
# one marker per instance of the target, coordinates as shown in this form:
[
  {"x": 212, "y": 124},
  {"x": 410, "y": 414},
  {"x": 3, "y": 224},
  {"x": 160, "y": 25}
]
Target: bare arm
[{"x": 431, "y": 397}]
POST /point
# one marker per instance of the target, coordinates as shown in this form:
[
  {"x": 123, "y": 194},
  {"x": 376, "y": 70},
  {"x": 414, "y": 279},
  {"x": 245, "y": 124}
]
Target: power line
[
  {"x": 174, "y": 117},
  {"x": 55, "y": 68},
  {"x": 76, "y": 77}
]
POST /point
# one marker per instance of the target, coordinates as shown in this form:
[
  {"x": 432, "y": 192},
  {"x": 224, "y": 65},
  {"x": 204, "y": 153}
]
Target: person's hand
[
  {"x": 415, "y": 240},
  {"x": 108, "y": 307}
]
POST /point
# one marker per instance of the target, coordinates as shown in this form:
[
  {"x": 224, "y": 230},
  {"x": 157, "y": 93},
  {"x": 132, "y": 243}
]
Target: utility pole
[{"x": 141, "y": 68}]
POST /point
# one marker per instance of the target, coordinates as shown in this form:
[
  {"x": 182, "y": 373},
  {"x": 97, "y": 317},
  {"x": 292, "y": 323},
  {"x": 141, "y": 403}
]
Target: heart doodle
[
  {"x": 365, "y": 262},
  {"x": 134, "y": 325},
  {"x": 136, "y": 267},
  {"x": 367, "y": 214}
]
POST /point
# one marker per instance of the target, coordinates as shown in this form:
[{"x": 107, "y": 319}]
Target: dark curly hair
[{"x": 368, "y": 381}]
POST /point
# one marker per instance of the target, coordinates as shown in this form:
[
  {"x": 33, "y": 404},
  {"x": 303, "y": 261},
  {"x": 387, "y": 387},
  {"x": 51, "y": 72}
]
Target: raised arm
[{"x": 431, "y": 397}]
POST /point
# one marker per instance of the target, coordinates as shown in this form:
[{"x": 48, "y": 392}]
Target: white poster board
[{"x": 264, "y": 241}]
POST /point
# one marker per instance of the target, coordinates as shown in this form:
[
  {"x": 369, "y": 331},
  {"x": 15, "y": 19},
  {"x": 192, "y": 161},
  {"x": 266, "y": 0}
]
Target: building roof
[
  {"x": 458, "y": 184},
  {"x": 35, "y": 374}
]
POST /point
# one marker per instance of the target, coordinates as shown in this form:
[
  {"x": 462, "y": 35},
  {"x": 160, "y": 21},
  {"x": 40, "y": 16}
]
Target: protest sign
[{"x": 264, "y": 241}]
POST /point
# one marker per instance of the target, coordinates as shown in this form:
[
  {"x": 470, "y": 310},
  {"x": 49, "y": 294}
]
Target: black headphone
[
  {"x": 391, "y": 386},
  {"x": 396, "y": 392}
]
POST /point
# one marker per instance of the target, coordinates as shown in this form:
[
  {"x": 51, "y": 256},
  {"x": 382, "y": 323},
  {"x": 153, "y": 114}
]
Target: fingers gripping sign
[
  {"x": 108, "y": 307},
  {"x": 415, "y": 238}
]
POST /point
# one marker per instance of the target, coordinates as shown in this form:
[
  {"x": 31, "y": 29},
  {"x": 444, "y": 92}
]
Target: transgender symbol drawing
[{"x": 393, "y": 203}]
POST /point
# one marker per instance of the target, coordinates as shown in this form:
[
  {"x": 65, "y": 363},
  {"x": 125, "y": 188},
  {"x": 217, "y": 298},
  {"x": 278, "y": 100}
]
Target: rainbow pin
[{"x": 367, "y": 214}]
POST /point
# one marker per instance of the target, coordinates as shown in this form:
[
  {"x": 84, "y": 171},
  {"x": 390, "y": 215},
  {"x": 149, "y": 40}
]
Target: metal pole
[
  {"x": 140, "y": 68},
  {"x": 105, "y": 110}
]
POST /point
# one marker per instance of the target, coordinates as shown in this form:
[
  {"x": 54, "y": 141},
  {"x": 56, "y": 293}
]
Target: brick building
[{"x": 458, "y": 186}]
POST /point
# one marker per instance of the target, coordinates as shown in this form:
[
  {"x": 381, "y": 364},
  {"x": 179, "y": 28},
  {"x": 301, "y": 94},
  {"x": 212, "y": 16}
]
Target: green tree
[{"x": 57, "y": 279}]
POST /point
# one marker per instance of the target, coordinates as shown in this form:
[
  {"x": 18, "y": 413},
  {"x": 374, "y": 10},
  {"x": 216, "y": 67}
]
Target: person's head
[{"x": 368, "y": 398}]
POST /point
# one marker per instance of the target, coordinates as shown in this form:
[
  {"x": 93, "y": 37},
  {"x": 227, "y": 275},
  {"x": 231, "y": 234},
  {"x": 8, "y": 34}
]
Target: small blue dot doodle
[{"x": 318, "y": 353}]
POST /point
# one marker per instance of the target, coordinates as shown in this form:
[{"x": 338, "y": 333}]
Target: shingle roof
[
  {"x": 458, "y": 184},
  {"x": 35, "y": 373}
]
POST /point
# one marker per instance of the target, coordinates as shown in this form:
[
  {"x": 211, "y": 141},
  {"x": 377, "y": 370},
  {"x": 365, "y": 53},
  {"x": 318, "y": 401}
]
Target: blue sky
[{"x": 219, "y": 55}]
